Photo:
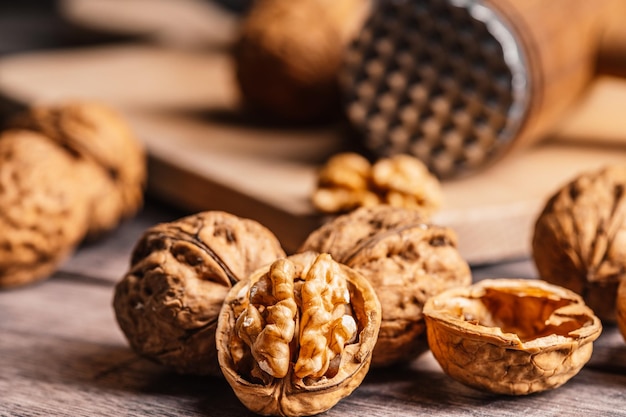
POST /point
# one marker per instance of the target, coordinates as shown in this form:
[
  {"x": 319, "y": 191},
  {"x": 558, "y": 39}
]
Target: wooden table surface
[{"x": 62, "y": 354}]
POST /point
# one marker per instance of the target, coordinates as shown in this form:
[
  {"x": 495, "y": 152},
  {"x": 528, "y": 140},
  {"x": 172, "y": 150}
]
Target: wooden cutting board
[{"x": 206, "y": 155}]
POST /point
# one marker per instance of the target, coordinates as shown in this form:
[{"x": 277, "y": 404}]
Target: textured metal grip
[{"x": 443, "y": 80}]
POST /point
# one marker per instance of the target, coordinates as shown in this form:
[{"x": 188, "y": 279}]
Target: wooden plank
[
  {"x": 61, "y": 354},
  {"x": 205, "y": 155}
]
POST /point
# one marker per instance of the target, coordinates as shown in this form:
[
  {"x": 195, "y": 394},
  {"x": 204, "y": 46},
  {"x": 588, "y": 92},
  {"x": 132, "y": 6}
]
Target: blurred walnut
[
  {"x": 511, "y": 336},
  {"x": 168, "y": 302},
  {"x": 289, "y": 52},
  {"x": 66, "y": 172},
  {"x": 43, "y": 213},
  {"x": 97, "y": 134},
  {"x": 406, "y": 260},
  {"x": 297, "y": 336},
  {"x": 579, "y": 240},
  {"x": 348, "y": 181}
]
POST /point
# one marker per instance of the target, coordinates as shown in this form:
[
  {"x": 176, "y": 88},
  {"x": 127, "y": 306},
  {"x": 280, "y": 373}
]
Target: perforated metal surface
[{"x": 441, "y": 80}]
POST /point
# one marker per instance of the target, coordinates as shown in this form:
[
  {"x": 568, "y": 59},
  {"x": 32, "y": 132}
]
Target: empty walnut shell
[
  {"x": 43, "y": 214},
  {"x": 406, "y": 260},
  {"x": 168, "y": 302},
  {"x": 99, "y": 135},
  {"x": 579, "y": 240},
  {"x": 297, "y": 336},
  {"x": 511, "y": 336}
]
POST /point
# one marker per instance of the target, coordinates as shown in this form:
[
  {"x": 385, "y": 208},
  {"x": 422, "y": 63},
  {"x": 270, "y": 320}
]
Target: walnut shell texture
[
  {"x": 511, "y": 336},
  {"x": 43, "y": 215},
  {"x": 99, "y": 135},
  {"x": 297, "y": 336},
  {"x": 168, "y": 302},
  {"x": 579, "y": 239},
  {"x": 406, "y": 260}
]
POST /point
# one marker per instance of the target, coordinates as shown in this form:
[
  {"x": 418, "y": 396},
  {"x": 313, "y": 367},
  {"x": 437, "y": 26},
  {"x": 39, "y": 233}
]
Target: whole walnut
[
  {"x": 96, "y": 133},
  {"x": 288, "y": 55},
  {"x": 168, "y": 302},
  {"x": 579, "y": 240},
  {"x": 43, "y": 214},
  {"x": 407, "y": 261},
  {"x": 297, "y": 336},
  {"x": 67, "y": 172}
]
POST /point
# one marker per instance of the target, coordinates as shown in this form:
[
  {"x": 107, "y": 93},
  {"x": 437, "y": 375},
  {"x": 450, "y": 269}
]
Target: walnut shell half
[
  {"x": 168, "y": 302},
  {"x": 511, "y": 336},
  {"x": 297, "y": 336},
  {"x": 406, "y": 260}
]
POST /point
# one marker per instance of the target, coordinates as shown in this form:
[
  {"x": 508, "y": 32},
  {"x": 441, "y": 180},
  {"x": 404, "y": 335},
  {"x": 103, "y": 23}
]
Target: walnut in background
[
  {"x": 348, "y": 181},
  {"x": 288, "y": 55},
  {"x": 96, "y": 134},
  {"x": 579, "y": 241},
  {"x": 67, "y": 171}
]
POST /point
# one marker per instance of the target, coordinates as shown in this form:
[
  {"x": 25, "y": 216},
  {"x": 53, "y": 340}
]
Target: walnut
[
  {"x": 168, "y": 302},
  {"x": 348, "y": 181},
  {"x": 97, "y": 134},
  {"x": 579, "y": 239},
  {"x": 67, "y": 172},
  {"x": 288, "y": 55},
  {"x": 43, "y": 214},
  {"x": 406, "y": 260},
  {"x": 511, "y": 336},
  {"x": 297, "y": 336}
]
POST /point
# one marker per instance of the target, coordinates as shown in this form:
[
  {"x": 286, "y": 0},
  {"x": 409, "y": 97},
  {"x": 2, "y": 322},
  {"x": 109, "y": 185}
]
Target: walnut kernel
[
  {"x": 406, "y": 260},
  {"x": 168, "y": 302},
  {"x": 511, "y": 336},
  {"x": 579, "y": 239},
  {"x": 297, "y": 336},
  {"x": 348, "y": 181}
]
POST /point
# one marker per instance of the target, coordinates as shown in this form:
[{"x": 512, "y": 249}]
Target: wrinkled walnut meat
[
  {"x": 511, "y": 336},
  {"x": 579, "y": 240},
  {"x": 406, "y": 260},
  {"x": 168, "y": 302},
  {"x": 348, "y": 181},
  {"x": 67, "y": 172},
  {"x": 297, "y": 336}
]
